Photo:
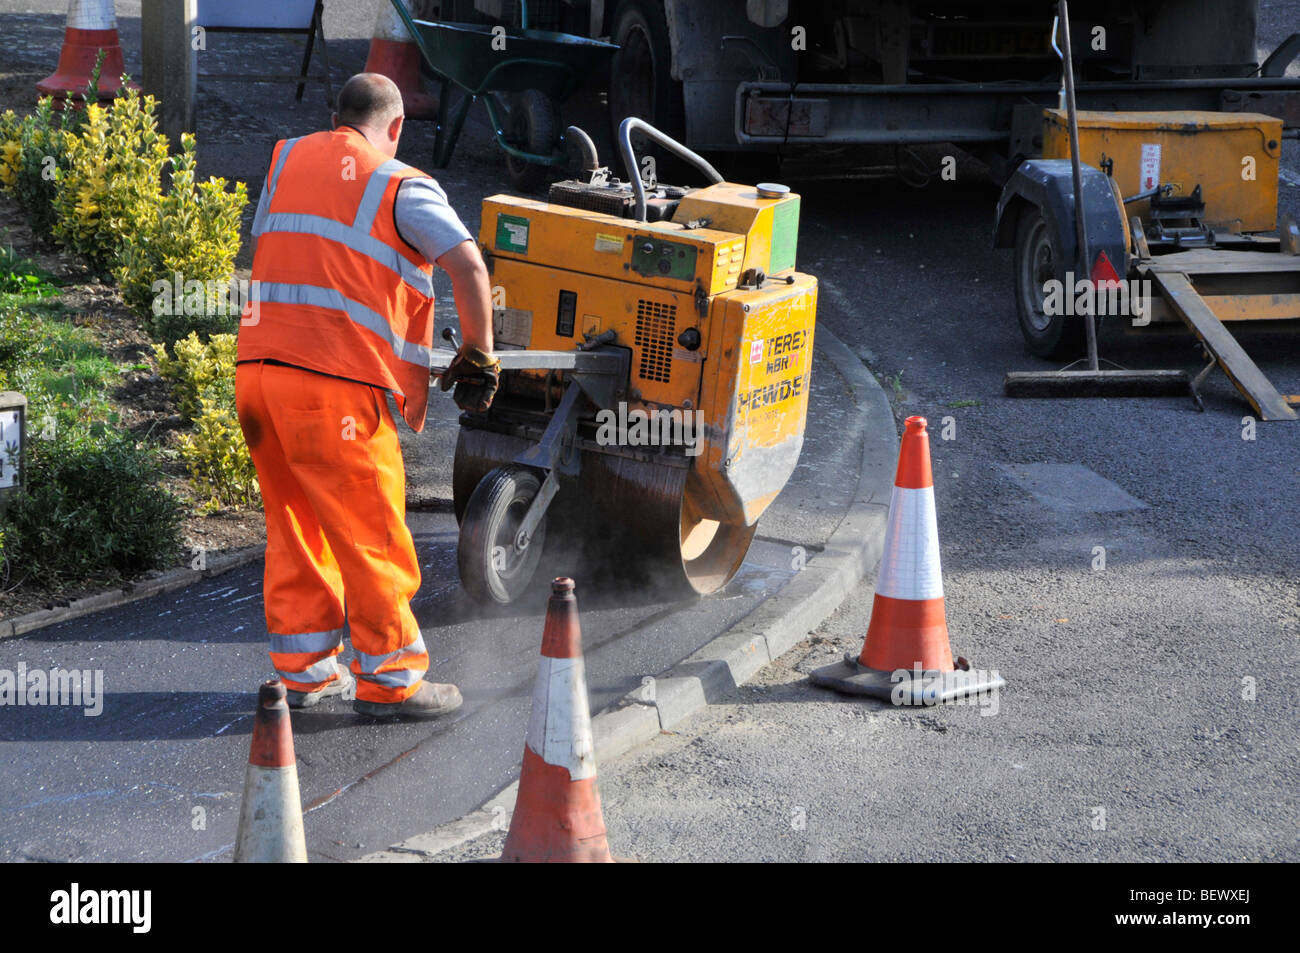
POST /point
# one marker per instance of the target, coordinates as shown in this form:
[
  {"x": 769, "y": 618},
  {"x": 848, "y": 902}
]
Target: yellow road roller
[{"x": 656, "y": 346}]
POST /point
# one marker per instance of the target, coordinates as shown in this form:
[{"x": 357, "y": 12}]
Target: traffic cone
[
  {"x": 394, "y": 53},
  {"x": 906, "y": 657},
  {"x": 91, "y": 27},
  {"x": 557, "y": 815},
  {"x": 270, "y": 820}
]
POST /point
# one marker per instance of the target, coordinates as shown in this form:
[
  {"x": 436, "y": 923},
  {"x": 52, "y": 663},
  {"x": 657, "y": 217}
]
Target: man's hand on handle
[
  {"x": 476, "y": 375},
  {"x": 474, "y": 371}
]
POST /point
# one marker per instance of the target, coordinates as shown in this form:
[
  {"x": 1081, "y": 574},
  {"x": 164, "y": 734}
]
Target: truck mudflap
[{"x": 1048, "y": 184}]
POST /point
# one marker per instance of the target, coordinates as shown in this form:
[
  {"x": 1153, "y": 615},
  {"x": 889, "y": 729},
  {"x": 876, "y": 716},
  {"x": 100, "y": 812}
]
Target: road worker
[{"x": 342, "y": 315}]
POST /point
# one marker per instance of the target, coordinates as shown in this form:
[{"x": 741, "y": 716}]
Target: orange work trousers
[{"x": 337, "y": 546}]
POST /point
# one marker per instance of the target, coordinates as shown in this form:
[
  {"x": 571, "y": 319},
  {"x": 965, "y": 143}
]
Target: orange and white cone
[
  {"x": 270, "y": 819},
  {"x": 91, "y": 27},
  {"x": 394, "y": 53},
  {"x": 557, "y": 816},
  {"x": 907, "y": 657}
]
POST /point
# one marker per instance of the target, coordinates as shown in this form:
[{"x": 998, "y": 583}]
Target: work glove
[{"x": 476, "y": 376}]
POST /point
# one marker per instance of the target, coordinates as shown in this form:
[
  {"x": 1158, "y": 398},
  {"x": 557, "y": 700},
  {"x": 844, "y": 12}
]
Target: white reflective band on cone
[
  {"x": 91, "y": 15},
  {"x": 559, "y": 728},
  {"x": 389, "y": 26},
  {"x": 909, "y": 568},
  {"x": 270, "y": 818}
]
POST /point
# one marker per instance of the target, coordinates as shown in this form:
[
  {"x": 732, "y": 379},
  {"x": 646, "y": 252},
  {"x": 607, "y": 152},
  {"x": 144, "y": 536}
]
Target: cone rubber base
[{"x": 923, "y": 688}]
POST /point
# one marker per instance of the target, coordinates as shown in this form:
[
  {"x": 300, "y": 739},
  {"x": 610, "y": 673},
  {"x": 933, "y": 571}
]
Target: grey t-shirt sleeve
[
  {"x": 259, "y": 220},
  {"x": 426, "y": 220}
]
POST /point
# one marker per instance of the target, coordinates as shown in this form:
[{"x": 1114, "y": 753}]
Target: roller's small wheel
[
  {"x": 494, "y": 568},
  {"x": 534, "y": 126},
  {"x": 478, "y": 452}
]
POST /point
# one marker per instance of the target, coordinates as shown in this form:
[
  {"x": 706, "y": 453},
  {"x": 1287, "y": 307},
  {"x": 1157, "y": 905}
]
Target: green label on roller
[
  {"x": 785, "y": 236},
  {"x": 512, "y": 233}
]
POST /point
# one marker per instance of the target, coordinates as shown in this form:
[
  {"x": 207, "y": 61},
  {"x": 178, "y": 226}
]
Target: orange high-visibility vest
[{"x": 340, "y": 291}]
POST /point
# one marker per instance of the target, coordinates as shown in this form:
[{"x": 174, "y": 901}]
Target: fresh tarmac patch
[{"x": 1070, "y": 488}]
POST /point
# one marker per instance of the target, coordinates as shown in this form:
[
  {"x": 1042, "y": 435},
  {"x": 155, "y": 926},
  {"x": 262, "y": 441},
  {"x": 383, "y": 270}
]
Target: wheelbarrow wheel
[
  {"x": 1048, "y": 331},
  {"x": 534, "y": 126},
  {"x": 493, "y": 567}
]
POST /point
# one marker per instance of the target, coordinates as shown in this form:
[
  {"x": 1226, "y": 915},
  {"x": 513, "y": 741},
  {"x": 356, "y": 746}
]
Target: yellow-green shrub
[
  {"x": 33, "y": 151},
  {"x": 113, "y": 176},
  {"x": 199, "y": 369},
  {"x": 192, "y": 233},
  {"x": 203, "y": 375},
  {"x": 11, "y": 130},
  {"x": 217, "y": 456}
]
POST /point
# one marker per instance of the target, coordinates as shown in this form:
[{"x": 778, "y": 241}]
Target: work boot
[
  {"x": 430, "y": 700},
  {"x": 339, "y": 686}
]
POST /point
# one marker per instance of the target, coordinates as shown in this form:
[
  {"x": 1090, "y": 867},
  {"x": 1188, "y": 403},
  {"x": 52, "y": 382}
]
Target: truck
[{"x": 793, "y": 77}]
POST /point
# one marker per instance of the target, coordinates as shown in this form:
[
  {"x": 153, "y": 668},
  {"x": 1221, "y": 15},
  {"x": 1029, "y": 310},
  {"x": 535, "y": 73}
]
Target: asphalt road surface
[{"x": 157, "y": 775}]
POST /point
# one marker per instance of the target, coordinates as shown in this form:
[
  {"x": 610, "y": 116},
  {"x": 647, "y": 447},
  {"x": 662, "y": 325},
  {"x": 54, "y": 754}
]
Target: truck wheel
[
  {"x": 534, "y": 124},
  {"x": 1038, "y": 261},
  {"x": 640, "y": 75},
  {"x": 493, "y": 569}
]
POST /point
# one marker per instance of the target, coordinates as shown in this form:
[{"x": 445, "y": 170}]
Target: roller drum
[{"x": 634, "y": 519}]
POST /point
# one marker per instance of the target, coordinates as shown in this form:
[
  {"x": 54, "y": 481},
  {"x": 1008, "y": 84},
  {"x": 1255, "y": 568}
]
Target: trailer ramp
[{"x": 1172, "y": 275}]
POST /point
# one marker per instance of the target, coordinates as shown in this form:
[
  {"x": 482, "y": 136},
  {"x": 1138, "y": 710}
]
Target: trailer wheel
[
  {"x": 640, "y": 78},
  {"x": 493, "y": 569},
  {"x": 534, "y": 125},
  {"x": 1038, "y": 261}
]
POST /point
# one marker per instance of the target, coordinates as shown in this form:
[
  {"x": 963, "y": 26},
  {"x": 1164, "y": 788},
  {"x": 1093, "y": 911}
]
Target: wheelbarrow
[{"x": 537, "y": 68}]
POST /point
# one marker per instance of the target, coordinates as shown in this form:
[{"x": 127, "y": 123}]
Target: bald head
[
  {"x": 373, "y": 104},
  {"x": 369, "y": 99}
]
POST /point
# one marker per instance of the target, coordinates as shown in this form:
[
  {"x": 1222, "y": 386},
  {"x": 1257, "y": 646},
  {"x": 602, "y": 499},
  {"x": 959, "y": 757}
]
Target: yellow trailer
[
  {"x": 1232, "y": 157},
  {"x": 1182, "y": 208}
]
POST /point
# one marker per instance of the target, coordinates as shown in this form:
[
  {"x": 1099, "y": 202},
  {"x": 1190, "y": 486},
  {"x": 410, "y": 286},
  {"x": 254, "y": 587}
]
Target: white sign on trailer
[{"x": 1150, "y": 165}]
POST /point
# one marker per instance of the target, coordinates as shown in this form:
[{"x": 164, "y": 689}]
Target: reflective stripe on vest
[
  {"x": 317, "y": 297},
  {"x": 356, "y": 237},
  {"x": 279, "y": 164},
  {"x": 376, "y": 185},
  {"x": 361, "y": 242}
]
